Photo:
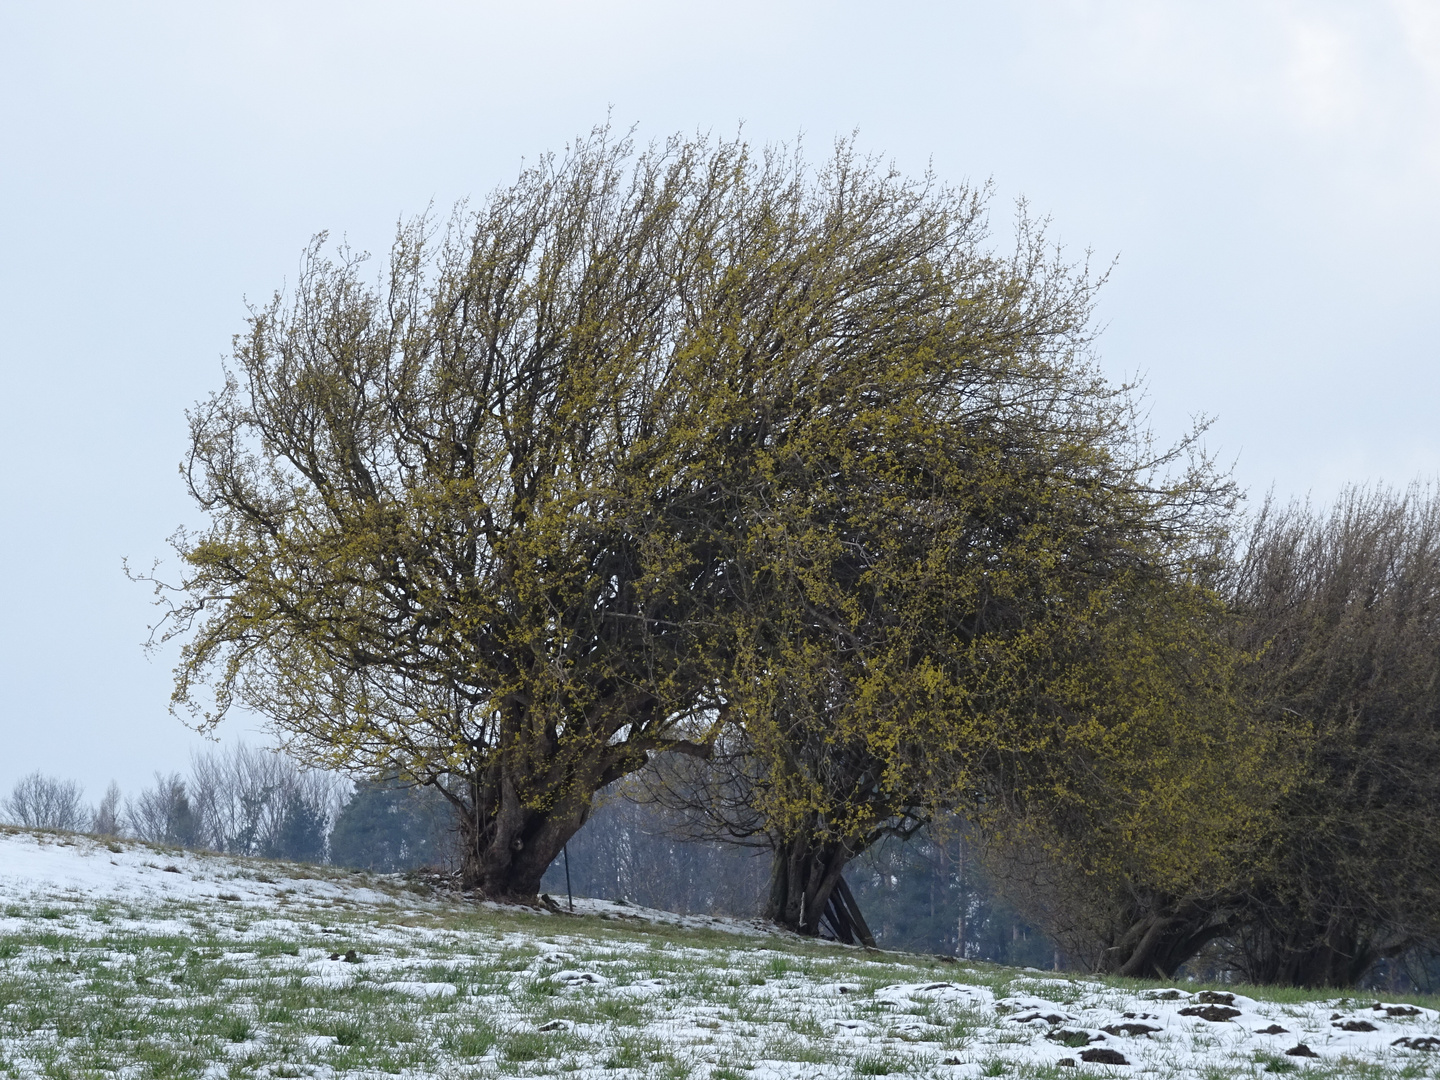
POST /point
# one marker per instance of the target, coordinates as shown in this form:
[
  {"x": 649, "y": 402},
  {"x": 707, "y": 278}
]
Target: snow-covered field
[{"x": 129, "y": 960}]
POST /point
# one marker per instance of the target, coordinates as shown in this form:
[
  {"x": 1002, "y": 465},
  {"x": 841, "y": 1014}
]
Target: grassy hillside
[{"x": 128, "y": 960}]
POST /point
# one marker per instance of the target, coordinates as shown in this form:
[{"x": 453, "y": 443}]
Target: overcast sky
[{"x": 1266, "y": 173}]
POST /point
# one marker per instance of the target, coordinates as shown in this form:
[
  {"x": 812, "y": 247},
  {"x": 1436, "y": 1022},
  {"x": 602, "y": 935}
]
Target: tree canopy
[
  {"x": 1333, "y": 861},
  {"x": 657, "y": 441},
  {"x": 1342, "y": 607},
  {"x": 1014, "y": 628}
]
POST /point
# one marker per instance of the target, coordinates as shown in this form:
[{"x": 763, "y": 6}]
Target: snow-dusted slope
[
  {"x": 76, "y": 868},
  {"x": 134, "y": 961},
  {"x": 66, "y": 867}
]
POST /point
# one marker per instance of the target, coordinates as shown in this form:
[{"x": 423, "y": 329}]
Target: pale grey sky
[{"x": 1266, "y": 172}]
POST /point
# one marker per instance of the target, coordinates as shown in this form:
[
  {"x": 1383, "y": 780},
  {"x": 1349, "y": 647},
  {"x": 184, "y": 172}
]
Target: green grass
[
  {"x": 469, "y": 1041},
  {"x": 1276, "y": 1063},
  {"x": 523, "y": 1046},
  {"x": 92, "y": 992},
  {"x": 878, "y": 1065}
]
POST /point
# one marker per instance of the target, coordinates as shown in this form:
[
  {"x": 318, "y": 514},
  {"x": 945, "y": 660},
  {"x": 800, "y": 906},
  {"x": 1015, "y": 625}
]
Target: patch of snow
[
  {"x": 578, "y": 978},
  {"x": 55, "y": 881},
  {"x": 328, "y": 981},
  {"x": 422, "y": 989}
]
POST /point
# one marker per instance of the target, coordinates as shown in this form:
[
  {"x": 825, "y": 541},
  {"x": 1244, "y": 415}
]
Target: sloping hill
[{"x": 130, "y": 960}]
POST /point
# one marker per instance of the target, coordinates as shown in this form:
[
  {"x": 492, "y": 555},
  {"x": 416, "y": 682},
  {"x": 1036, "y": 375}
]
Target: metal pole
[
  {"x": 568, "y": 893},
  {"x": 960, "y": 926}
]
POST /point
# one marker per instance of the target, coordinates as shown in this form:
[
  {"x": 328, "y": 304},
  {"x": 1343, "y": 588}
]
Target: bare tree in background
[
  {"x": 106, "y": 820},
  {"x": 242, "y": 801},
  {"x": 248, "y": 800},
  {"x": 234, "y": 792},
  {"x": 163, "y": 814},
  {"x": 45, "y": 802}
]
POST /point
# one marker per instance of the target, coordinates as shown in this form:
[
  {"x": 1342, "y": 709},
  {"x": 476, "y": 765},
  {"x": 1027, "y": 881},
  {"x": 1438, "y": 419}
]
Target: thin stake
[{"x": 568, "y": 893}]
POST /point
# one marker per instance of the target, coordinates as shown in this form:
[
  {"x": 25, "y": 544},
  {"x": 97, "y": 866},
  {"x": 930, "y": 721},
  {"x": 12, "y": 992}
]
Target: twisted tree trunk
[
  {"x": 524, "y": 802},
  {"x": 506, "y": 851},
  {"x": 1300, "y": 953},
  {"x": 1163, "y": 933},
  {"x": 806, "y": 889}
]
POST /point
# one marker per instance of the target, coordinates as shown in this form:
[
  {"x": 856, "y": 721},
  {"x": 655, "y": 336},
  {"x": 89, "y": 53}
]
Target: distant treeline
[
  {"x": 923, "y": 895},
  {"x": 244, "y": 801},
  {"x": 927, "y": 894}
]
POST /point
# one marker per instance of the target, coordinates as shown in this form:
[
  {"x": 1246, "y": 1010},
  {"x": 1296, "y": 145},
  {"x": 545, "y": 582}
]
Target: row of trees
[
  {"x": 1337, "y": 613},
  {"x": 931, "y": 892},
  {"x": 243, "y": 801},
  {"x": 781, "y": 493}
]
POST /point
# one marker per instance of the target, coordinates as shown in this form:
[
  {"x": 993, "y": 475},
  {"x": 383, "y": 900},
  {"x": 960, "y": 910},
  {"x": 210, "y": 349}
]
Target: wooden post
[
  {"x": 862, "y": 931},
  {"x": 569, "y": 895},
  {"x": 839, "y": 921}
]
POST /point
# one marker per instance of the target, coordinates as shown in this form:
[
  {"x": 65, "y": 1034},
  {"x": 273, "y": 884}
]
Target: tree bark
[
  {"x": 505, "y": 853},
  {"x": 521, "y": 811},
  {"x": 1309, "y": 955},
  {"x": 804, "y": 873},
  {"x": 964, "y": 902},
  {"x": 1163, "y": 935}
]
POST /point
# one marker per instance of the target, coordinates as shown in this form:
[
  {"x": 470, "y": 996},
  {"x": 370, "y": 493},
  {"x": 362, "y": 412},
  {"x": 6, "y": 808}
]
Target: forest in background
[
  {"x": 921, "y": 896},
  {"x": 928, "y": 894}
]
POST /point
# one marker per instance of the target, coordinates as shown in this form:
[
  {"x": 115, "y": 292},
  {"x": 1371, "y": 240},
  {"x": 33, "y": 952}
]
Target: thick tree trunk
[
  {"x": 525, "y": 805},
  {"x": 806, "y": 889},
  {"x": 1309, "y": 955},
  {"x": 1163, "y": 934},
  {"x": 506, "y": 852}
]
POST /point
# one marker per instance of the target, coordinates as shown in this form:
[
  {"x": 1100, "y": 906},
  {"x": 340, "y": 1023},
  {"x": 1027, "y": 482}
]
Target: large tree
[
  {"x": 1134, "y": 853},
  {"x": 1109, "y": 749},
  {"x": 655, "y": 441},
  {"x": 487, "y": 523},
  {"x": 1336, "y": 615},
  {"x": 971, "y": 583},
  {"x": 1343, "y": 608}
]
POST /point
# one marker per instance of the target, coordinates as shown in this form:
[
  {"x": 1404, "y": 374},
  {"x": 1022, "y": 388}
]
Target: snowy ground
[{"x": 134, "y": 961}]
